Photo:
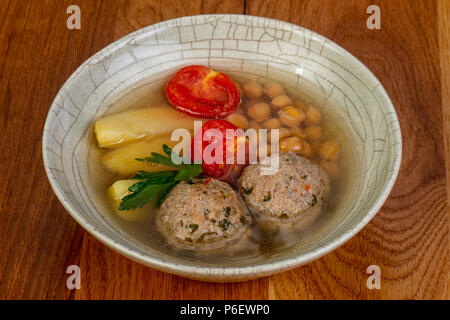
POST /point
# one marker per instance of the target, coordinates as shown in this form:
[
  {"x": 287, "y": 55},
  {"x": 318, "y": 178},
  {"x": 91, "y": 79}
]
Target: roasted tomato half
[
  {"x": 203, "y": 93},
  {"x": 206, "y": 142}
]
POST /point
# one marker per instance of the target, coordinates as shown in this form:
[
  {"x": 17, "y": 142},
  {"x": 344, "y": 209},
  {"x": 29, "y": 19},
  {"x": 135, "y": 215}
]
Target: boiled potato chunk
[
  {"x": 116, "y": 192},
  {"x": 130, "y": 126},
  {"x": 123, "y": 160}
]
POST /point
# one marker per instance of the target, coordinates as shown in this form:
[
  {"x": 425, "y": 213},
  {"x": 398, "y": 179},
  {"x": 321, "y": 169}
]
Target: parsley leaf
[
  {"x": 162, "y": 176},
  {"x": 163, "y": 195},
  {"x": 157, "y": 185},
  {"x": 165, "y": 160},
  {"x": 191, "y": 171},
  {"x": 143, "y": 195}
]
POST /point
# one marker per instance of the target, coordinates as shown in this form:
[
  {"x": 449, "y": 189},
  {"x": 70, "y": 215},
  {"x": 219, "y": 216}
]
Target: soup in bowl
[{"x": 136, "y": 144}]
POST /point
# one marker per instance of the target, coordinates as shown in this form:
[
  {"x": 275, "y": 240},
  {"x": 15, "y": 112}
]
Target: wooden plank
[
  {"x": 444, "y": 49},
  {"x": 109, "y": 275},
  {"x": 38, "y": 238},
  {"x": 408, "y": 238},
  {"x": 136, "y": 14}
]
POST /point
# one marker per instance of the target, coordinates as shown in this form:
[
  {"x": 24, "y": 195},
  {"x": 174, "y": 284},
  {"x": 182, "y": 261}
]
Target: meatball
[
  {"x": 203, "y": 214},
  {"x": 293, "y": 196}
]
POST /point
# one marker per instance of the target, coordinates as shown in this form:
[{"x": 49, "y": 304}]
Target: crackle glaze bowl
[{"x": 263, "y": 49}]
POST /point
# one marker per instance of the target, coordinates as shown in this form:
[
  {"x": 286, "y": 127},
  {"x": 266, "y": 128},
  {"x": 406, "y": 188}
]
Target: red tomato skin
[
  {"x": 202, "y": 93},
  {"x": 222, "y": 171}
]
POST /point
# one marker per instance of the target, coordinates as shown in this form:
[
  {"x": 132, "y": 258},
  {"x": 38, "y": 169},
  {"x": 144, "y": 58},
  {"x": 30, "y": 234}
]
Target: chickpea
[
  {"x": 255, "y": 125},
  {"x": 238, "y": 120},
  {"x": 297, "y": 145},
  {"x": 291, "y": 116},
  {"x": 313, "y": 116},
  {"x": 259, "y": 111},
  {"x": 291, "y": 144},
  {"x": 282, "y": 133},
  {"x": 331, "y": 168},
  {"x": 272, "y": 123},
  {"x": 306, "y": 149},
  {"x": 329, "y": 150},
  {"x": 301, "y": 105},
  {"x": 315, "y": 145},
  {"x": 251, "y": 102},
  {"x": 281, "y": 101},
  {"x": 297, "y": 132},
  {"x": 273, "y": 89},
  {"x": 313, "y": 133},
  {"x": 253, "y": 89}
]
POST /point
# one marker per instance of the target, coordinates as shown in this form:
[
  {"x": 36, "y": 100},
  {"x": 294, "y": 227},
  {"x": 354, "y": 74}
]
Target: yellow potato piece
[
  {"x": 123, "y": 160},
  {"x": 116, "y": 192},
  {"x": 118, "y": 129}
]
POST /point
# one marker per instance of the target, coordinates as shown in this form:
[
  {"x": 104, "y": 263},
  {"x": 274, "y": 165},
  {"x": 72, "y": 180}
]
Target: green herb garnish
[
  {"x": 247, "y": 190},
  {"x": 243, "y": 220},
  {"x": 224, "y": 224},
  {"x": 283, "y": 215},
  {"x": 267, "y": 196},
  {"x": 202, "y": 237},
  {"x": 193, "y": 227},
  {"x": 185, "y": 172},
  {"x": 157, "y": 185},
  {"x": 313, "y": 201}
]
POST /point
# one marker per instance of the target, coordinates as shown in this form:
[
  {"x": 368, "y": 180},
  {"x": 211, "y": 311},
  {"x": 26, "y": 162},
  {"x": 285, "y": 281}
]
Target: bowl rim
[{"x": 232, "y": 273}]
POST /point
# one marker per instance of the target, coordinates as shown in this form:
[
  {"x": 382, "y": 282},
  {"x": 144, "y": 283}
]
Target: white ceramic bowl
[{"x": 262, "y": 48}]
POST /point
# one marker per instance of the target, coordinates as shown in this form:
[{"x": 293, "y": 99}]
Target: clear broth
[{"x": 262, "y": 243}]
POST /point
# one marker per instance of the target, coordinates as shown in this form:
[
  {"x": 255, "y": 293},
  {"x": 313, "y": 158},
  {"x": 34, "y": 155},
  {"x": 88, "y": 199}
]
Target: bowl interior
[{"x": 243, "y": 47}]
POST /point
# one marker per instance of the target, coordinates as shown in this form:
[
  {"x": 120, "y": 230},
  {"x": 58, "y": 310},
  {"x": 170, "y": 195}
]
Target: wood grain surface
[{"x": 408, "y": 238}]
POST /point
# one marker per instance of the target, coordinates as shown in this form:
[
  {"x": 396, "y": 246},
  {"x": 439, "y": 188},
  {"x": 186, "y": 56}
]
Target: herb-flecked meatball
[
  {"x": 295, "y": 193},
  {"x": 203, "y": 214}
]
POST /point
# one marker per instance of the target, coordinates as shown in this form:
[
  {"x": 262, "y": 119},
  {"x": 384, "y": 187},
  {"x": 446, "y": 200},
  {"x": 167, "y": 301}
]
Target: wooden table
[{"x": 408, "y": 239}]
